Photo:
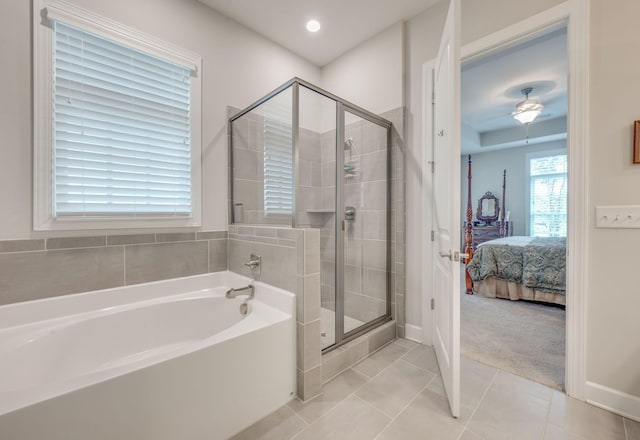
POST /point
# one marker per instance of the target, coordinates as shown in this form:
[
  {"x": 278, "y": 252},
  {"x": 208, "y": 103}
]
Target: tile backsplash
[{"x": 42, "y": 268}]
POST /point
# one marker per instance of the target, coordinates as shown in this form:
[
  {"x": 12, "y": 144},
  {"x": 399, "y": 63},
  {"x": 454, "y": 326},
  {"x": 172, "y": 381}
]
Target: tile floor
[{"x": 397, "y": 394}]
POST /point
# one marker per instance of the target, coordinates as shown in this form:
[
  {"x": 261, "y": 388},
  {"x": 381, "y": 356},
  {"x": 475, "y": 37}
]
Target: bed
[{"x": 518, "y": 267}]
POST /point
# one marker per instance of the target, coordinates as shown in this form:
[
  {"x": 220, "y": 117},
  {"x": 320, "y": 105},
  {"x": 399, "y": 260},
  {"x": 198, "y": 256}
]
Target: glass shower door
[{"x": 364, "y": 175}]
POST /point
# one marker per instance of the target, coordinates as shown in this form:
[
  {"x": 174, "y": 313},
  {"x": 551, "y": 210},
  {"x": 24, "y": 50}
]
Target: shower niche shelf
[{"x": 321, "y": 211}]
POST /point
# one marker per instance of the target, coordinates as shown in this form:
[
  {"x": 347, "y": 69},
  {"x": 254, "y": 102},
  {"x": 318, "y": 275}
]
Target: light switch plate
[{"x": 618, "y": 217}]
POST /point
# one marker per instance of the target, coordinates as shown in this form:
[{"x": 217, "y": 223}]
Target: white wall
[
  {"x": 487, "y": 169},
  {"x": 239, "y": 67},
  {"x": 371, "y": 74},
  {"x": 613, "y": 347}
]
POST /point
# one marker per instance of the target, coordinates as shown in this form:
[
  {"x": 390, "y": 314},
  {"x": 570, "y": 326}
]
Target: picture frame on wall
[{"x": 636, "y": 142}]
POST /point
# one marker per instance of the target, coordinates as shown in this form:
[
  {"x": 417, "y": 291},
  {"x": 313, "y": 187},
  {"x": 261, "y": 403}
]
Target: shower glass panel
[
  {"x": 302, "y": 157},
  {"x": 365, "y": 178},
  {"x": 317, "y": 194},
  {"x": 262, "y": 157}
]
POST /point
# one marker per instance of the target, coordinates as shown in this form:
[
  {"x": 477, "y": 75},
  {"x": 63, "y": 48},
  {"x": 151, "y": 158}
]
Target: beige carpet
[{"x": 527, "y": 339}]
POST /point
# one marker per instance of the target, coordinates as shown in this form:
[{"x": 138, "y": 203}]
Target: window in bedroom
[
  {"x": 548, "y": 195},
  {"x": 117, "y": 126}
]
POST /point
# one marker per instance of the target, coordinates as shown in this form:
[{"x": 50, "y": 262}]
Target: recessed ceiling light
[{"x": 313, "y": 25}]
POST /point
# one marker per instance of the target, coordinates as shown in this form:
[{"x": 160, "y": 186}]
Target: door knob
[
  {"x": 454, "y": 256},
  {"x": 446, "y": 254}
]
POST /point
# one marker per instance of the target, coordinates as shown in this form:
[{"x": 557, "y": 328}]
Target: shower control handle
[{"x": 349, "y": 213}]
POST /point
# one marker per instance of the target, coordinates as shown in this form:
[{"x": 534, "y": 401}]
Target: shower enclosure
[{"x": 304, "y": 158}]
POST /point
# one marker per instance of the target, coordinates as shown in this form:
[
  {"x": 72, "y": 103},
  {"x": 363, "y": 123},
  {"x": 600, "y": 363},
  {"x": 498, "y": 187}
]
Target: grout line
[
  {"x": 306, "y": 424},
  {"x": 318, "y": 419},
  {"x": 624, "y": 427},
  {"x": 437, "y": 373},
  {"x": 473, "y": 413},
  {"x": 32, "y": 250},
  {"x": 124, "y": 265},
  {"x": 208, "y": 256},
  {"x": 393, "y": 419},
  {"x": 369, "y": 404},
  {"x": 546, "y": 420}
]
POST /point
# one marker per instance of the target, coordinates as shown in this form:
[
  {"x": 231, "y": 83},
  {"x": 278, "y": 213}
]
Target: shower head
[{"x": 348, "y": 144}]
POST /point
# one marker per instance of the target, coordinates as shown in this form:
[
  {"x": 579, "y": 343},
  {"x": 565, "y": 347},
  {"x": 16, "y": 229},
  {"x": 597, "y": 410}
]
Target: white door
[{"x": 446, "y": 207}]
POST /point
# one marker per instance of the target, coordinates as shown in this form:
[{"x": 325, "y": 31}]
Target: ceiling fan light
[{"x": 527, "y": 111}]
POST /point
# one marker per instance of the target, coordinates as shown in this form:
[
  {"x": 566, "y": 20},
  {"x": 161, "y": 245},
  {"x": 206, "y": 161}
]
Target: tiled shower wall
[
  {"x": 310, "y": 198},
  {"x": 248, "y": 168},
  {"x": 42, "y": 268}
]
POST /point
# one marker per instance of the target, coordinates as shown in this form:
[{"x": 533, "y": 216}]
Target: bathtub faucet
[{"x": 232, "y": 293}]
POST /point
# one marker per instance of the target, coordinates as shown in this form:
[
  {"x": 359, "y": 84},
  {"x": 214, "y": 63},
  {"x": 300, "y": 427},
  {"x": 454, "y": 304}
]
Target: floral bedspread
[{"x": 540, "y": 264}]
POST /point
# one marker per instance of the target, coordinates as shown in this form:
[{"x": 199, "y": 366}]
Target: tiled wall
[
  {"x": 309, "y": 182},
  {"x": 398, "y": 219},
  {"x": 248, "y": 167},
  {"x": 42, "y": 268},
  {"x": 290, "y": 260}
]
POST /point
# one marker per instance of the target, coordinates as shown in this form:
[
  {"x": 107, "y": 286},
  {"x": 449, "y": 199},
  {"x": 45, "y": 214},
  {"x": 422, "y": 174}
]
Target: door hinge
[
  {"x": 433, "y": 98},
  {"x": 433, "y": 304},
  {"x": 433, "y": 235},
  {"x": 433, "y": 166}
]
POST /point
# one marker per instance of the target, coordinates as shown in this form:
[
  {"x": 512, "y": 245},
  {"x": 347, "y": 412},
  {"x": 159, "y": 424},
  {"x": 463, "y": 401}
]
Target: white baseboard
[
  {"x": 413, "y": 333},
  {"x": 613, "y": 400}
]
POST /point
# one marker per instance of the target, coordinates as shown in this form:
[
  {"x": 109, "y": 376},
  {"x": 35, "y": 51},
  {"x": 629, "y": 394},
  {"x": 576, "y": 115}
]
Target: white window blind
[
  {"x": 121, "y": 130},
  {"x": 278, "y": 158},
  {"x": 548, "y": 196}
]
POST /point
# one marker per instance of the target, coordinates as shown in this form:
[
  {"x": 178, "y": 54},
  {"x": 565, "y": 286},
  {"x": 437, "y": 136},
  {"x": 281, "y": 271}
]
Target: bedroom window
[
  {"x": 548, "y": 195},
  {"x": 117, "y": 131}
]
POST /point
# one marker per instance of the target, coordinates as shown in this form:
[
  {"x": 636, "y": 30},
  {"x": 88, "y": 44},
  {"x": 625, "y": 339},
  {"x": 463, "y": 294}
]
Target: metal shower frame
[{"x": 342, "y": 106}]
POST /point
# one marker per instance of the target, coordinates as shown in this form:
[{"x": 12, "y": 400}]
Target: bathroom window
[
  {"x": 278, "y": 158},
  {"x": 548, "y": 195},
  {"x": 117, "y": 126}
]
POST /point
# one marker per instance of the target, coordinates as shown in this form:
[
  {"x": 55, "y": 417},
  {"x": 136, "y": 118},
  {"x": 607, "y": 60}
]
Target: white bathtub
[{"x": 172, "y": 359}]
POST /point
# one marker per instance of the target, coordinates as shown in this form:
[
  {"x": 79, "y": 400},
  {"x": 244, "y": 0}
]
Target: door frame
[{"x": 575, "y": 14}]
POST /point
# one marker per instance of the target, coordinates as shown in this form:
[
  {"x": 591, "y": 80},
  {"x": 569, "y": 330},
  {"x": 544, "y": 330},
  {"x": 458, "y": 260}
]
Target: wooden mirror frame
[{"x": 488, "y": 218}]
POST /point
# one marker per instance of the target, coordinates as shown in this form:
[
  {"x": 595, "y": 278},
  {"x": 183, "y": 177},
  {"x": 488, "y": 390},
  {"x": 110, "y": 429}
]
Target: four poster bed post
[
  {"x": 468, "y": 235},
  {"x": 503, "y": 229},
  {"x": 468, "y": 228}
]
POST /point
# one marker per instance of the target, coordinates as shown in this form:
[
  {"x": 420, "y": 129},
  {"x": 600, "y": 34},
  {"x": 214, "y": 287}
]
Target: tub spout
[{"x": 232, "y": 293}]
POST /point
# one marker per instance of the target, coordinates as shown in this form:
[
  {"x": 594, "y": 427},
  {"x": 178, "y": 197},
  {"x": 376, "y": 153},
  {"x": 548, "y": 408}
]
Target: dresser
[{"x": 482, "y": 233}]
